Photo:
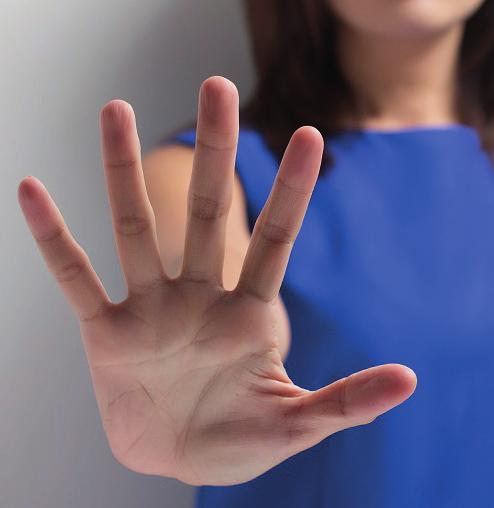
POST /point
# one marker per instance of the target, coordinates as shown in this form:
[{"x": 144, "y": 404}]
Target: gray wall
[{"x": 61, "y": 62}]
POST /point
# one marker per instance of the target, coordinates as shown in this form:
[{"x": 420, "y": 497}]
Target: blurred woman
[{"x": 369, "y": 140}]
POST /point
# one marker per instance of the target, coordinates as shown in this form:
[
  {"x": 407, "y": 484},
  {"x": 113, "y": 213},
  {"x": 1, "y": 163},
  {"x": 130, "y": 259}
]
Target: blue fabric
[{"x": 394, "y": 263}]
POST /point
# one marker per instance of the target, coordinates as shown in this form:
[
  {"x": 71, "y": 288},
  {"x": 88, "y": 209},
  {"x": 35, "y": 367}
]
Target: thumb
[{"x": 348, "y": 402}]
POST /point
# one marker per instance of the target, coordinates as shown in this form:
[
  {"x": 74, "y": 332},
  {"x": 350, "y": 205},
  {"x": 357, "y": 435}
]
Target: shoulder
[
  {"x": 254, "y": 162},
  {"x": 250, "y": 141},
  {"x": 168, "y": 169}
]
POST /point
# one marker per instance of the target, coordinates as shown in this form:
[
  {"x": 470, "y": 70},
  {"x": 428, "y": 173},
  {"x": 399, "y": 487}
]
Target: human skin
[
  {"x": 403, "y": 19},
  {"x": 188, "y": 375},
  {"x": 401, "y": 58}
]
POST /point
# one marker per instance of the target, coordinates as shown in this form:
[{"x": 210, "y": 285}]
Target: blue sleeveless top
[{"x": 394, "y": 263}]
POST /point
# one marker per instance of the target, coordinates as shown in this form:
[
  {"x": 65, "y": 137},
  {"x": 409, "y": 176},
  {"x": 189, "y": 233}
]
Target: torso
[{"x": 394, "y": 263}]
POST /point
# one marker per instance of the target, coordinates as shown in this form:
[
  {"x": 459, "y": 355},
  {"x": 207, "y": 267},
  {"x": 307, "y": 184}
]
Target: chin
[{"x": 403, "y": 18}]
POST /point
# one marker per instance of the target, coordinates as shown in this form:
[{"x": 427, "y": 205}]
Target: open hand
[{"x": 188, "y": 376}]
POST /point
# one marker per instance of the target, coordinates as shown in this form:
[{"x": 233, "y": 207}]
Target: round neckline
[{"x": 413, "y": 129}]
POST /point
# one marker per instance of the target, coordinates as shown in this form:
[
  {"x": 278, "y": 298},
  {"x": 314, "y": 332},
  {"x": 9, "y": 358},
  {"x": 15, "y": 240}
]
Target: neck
[{"x": 403, "y": 82}]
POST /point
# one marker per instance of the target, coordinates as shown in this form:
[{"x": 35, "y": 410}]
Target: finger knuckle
[
  {"x": 274, "y": 233},
  {"x": 343, "y": 399},
  {"x": 122, "y": 164},
  {"x": 214, "y": 145},
  {"x": 70, "y": 271},
  {"x": 289, "y": 191},
  {"x": 245, "y": 289},
  {"x": 50, "y": 237},
  {"x": 101, "y": 312},
  {"x": 207, "y": 209},
  {"x": 141, "y": 288},
  {"x": 132, "y": 225},
  {"x": 294, "y": 429}
]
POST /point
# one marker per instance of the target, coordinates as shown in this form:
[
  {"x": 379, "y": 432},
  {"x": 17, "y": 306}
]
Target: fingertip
[
  {"x": 116, "y": 113},
  {"x": 309, "y": 139},
  {"x": 218, "y": 91},
  {"x": 379, "y": 389},
  {"x": 312, "y": 131},
  {"x": 26, "y": 189},
  {"x": 409, "y": 372},
  {"x": 412, "y": 381},
  {"x": 404, "y": 376},
  {"x": 114, "y": 105},
  {"x": 218, "y": 112},
  {"x": 217, "y": 83}
]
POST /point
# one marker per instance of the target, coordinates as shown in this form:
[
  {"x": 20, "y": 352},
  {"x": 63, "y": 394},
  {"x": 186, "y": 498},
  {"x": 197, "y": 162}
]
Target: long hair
[{"x": 300, "y": 81}]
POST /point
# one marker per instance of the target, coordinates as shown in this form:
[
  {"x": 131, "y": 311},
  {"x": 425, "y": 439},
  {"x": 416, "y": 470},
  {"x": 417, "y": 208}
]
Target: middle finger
[{"x": 211, "y": 185}]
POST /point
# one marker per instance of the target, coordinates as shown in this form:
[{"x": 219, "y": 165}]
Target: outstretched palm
[{"x": 188, "y": 375}]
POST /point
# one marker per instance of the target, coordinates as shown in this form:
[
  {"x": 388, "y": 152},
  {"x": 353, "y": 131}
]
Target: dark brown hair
[{"x": 299, "y": 80}]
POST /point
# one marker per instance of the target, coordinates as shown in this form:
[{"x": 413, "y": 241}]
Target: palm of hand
[
  {"x": 188, "y": 376},
  {"x": 203, "y": 385}
]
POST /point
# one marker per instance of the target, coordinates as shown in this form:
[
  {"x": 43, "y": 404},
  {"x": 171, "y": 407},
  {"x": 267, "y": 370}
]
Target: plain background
[{"x": 60, "y": 63}]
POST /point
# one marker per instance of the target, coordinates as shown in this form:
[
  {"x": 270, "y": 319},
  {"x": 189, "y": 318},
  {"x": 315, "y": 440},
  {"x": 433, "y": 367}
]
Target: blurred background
[{"x": 61, "y": 62}]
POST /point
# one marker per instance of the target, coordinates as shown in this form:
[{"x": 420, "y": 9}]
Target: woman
[{"x": 235, "y": 348}]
